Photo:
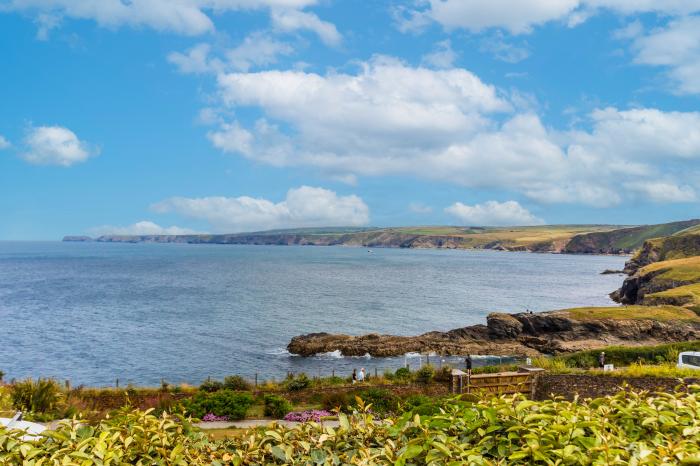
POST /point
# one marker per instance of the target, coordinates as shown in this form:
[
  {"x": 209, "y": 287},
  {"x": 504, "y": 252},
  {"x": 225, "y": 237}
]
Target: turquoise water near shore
[{"x": 95, "y": 312}]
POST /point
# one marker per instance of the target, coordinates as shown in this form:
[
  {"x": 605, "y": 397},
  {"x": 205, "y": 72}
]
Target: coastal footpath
[{"x": 571, "y": 239}]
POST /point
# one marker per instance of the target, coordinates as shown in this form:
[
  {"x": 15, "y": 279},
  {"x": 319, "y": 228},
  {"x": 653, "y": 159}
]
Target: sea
[{"x": 101, "y": 314}]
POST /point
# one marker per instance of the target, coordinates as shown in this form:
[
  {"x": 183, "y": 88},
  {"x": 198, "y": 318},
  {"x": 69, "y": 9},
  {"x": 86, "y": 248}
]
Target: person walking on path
[
  {"x": 601, "y": 360},
  {"x": 361, "y": 377},
  {"x": 354, "y": 375},
  {"x": 468, "y": 363}
]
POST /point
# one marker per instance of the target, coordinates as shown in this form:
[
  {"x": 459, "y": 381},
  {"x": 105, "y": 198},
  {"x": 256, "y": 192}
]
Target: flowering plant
[
  {"x": 214, "y": 418},
  {"x": 304, "y": 416}
]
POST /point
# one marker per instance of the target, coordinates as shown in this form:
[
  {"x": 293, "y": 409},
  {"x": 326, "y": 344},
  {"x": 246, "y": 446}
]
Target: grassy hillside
[
  {"x": 661, "y": 313},
  {"x": 626, "y": 240}
]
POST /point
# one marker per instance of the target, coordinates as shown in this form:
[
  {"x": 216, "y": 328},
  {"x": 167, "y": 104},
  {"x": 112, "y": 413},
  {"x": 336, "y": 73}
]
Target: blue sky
[{"x": 153, "y": 116}]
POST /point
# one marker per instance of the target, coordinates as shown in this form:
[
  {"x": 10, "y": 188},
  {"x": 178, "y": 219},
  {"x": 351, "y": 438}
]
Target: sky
[{"x": 182, "y": 116}]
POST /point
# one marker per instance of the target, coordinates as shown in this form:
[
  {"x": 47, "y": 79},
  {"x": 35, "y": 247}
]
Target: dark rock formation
[{"x": 506, "y": 334}]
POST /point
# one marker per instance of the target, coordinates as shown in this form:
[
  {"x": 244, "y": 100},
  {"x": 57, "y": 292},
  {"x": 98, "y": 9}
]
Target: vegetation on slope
[
  {"x": 659, "y": 313},
  {"x": 624, "y": 240}
]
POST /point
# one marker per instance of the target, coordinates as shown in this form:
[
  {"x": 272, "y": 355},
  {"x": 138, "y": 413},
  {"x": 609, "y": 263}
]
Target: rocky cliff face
[
  {"x": 640, "y": 283},
  {"x": 505, "y": 334}
]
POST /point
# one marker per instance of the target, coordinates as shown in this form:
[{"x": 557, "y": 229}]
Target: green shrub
[
  {"x": 424, "y": 375},
  {"x": 276, "y": 406},
  {"x": 40, "y": 397},
  {"x": 402, "y": 373},
  {"x": 335, "y": 400},
  {"x": 210, "y": 386},
  {"x": 220, "y": 403},
  {"x": 236, "y": 382},
  {"x": 297, "y": 383}
]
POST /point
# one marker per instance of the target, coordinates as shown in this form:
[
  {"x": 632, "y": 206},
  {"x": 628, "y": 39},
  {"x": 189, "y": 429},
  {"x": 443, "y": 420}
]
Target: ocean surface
[{"x": 92, "y": 313}]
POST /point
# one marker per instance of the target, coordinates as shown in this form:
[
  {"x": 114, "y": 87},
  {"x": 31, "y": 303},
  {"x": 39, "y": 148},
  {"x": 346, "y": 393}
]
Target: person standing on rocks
[
  {"x": 354, "y": 375},
  {"x": 361, "y": 378},
  {"x": 601, "y": 360},
  {"x": 468, "y": 363}
]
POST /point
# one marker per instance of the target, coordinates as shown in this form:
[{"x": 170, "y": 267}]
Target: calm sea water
[{"x": 95, "y": 312}]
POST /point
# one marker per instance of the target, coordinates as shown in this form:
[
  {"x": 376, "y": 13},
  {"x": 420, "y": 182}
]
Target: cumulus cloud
[
  {"x": 257, "y": 49},
  {"x": 493, "y": 213},
  {"x": 520, "y": 17},
  {"x": 442, "y": 56},
  {"x": 675, "y": 47},
  {"x": 663, "y": 192},
  {"x": 447, "y": 125},
  {"x": 141, "y": 228},
  {"x": 290, "y": 20},
  {"x": 189, "y": 17},
  {"x": 303, "y": 207},
  {"x": 55, "y": 145},
  {"x": 4, "y": 143}
]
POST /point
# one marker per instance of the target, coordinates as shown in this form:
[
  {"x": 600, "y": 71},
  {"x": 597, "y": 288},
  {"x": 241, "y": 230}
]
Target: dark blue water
[{"x": 95, "y": 312}]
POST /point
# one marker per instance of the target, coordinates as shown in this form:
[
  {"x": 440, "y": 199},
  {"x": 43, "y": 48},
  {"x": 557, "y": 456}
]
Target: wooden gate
[{"x": 496, "y": 383}]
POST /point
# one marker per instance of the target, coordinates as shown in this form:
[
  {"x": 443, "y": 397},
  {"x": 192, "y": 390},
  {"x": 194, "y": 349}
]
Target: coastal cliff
[
  {"x": 572, "y": 239},
  {"x": 522, "y": 334},
  {"x": 662, "y": 271}
]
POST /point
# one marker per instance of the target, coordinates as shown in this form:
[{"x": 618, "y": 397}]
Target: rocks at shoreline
[{"x": 522, "y": 334}]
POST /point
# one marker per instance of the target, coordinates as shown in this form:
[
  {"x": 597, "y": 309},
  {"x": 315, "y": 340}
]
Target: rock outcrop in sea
[{"x": 521, "y": 334}]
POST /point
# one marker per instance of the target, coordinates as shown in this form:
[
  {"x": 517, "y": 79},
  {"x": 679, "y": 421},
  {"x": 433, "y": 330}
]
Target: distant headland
[{"x": 572, "y": 239}]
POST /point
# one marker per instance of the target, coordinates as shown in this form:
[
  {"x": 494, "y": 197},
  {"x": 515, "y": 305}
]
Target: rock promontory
[{"x": 522, "y": 334}]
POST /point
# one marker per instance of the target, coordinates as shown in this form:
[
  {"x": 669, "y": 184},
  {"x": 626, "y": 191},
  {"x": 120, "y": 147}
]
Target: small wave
[
  {"x": 331, "y": 354},
  {"x": 279, "y": 352}
]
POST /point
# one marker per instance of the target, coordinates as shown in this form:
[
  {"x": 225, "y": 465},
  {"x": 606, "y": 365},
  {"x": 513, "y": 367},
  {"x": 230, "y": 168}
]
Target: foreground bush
[
  {"x": 133, "y": 438},
  {"x": 276, "y": 406},
  {"x": 629, "y": 428}
]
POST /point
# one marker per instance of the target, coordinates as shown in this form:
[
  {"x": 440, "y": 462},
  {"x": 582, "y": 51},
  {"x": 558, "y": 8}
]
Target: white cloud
[
  {"x": 520, "y": 17},
  {"x": 4, "y": 143},
  {"x": 387, "y": 104},
  {"x": 141, "y": 228},
  {"x": 290, "y": 20},
  {"x": 642, "y": 134},
  {"x": 303, "y": 207},
  {"x": 675, "y": 47},
  {"x": 195, "y": 60},
  {"x": 55, "y": 145},
  {"x": 257, "y": 49},
  {"x": 419, "y": 208},
  {"x": 189, "y": 17},
  {"x": 232, "y": 138},
  {"x": 442, "y": 56},
  {"x": 663, "y": 192},
  {"x": 391, "y": 119},
  {"x": 493, "y": 213}
]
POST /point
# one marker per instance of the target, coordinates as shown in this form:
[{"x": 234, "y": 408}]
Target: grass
[
  {"x": 512, "y": 236},
  {"x": 686, "y": 269},
  {"x": 688, "y": 296},
  {"x": 661, "y": 313}
]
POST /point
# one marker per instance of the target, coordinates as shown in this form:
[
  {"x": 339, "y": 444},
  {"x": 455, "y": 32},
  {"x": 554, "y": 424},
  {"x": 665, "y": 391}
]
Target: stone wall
[{"x": 594, "y": 386}]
